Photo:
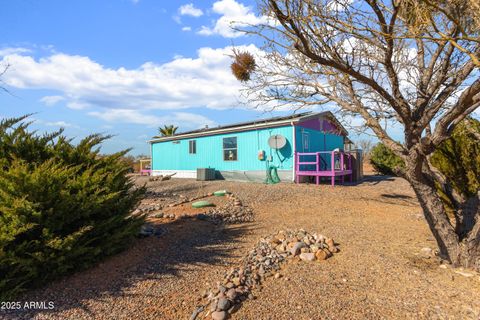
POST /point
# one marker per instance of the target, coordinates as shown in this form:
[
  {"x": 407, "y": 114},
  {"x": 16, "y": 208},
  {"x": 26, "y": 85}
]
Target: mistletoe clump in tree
[
  {"x": 63, "y": 207},
  {"x": 243, "y": 66},
  {"x": 414, "y": 67}
]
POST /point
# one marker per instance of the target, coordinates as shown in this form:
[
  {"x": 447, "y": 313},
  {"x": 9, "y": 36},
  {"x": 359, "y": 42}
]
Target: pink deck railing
[
  {"x": 325, "y": 165},
  {"x": 146, "y": 172}
]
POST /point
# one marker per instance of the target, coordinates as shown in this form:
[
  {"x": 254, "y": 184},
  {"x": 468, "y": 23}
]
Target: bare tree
[
  {"x": 3, "y": 70},
  {"x": 367, "y": 59},
  {"x": 419, "y": 14},
  {"x": 366, "y": 146}
]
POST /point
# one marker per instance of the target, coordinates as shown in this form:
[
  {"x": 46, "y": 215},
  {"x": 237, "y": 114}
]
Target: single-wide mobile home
[{"x": 244, "y": 151}]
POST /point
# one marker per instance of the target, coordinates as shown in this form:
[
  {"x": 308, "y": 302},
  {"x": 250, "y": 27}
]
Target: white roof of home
[{"x": 251, "y": 125}]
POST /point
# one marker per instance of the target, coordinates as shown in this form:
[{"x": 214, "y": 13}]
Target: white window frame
[{"x": 226, "y": 149}]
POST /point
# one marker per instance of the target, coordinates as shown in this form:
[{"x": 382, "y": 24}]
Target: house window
[
  {"x": 192, "y": 146},
  {"x": 230, "y": 149}
]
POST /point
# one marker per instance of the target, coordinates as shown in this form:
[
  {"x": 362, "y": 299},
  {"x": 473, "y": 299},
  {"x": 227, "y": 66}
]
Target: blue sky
[{"x": 124, "y": 67}]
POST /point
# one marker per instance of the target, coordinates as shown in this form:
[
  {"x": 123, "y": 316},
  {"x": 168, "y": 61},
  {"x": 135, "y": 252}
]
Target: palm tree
[{"x": 167, "y": 130}]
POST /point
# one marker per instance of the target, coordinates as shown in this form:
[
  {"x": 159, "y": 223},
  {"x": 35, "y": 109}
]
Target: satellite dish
[{"x": 277, "y": 141}]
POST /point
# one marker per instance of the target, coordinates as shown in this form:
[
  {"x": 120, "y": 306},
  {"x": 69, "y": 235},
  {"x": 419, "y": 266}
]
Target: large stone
[
  {"x": 236, "y": 281},
  {"x": 426, "y": 252},
  {"x": 331, "y": 245},
  {"x": 261, "y": 270},
  {"x": 219, "y": 315},
  {"x": 297, "y": 247},
  {"x": 223, "y": 304},
  {"x": 322, "y": 254},
  {"x": 275, "y": 241},
  {"x": 330, "y": 242},
  {"x": 213, "y": 306},
  {"x": 146, "y": 230},
  {"x": 232, "y": 294},
  {"x": 202, "y": 216},
  {"x": 464, "y": 273},
  {"x": 301, "y": 234},
  {"x": 158, "y": 215},
  {"x": 307, "y": 256},
  {"x": 333, "y": 249},
  {"x": 195, "y": 313},
  {"x": 158, "y": 231}
]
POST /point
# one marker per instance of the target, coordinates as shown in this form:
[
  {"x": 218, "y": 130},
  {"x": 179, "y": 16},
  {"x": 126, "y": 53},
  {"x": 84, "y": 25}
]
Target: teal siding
[
  {"x": 318, "y": 141},
  {"x": 174, "y": 155}
]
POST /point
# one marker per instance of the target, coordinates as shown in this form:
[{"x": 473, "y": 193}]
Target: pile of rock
[
  {"x": 263, "y": 261},
  {"x": 160, "y": 215},
  {"x": 150, "y": 206},
  {"x": 156, "y": 194},
  {"x": 161, "y": 177},
  {"x": 155, "y": 201},
  {"x": 230, "y": 214},
  {"x": 146, "y": 209},
  {"x": 233, "y": 212},
  {"x": 148, "y": 230}
]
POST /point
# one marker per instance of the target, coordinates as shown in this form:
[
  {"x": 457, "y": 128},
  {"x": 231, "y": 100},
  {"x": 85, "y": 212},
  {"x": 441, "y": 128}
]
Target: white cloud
[
  {"x": 233, "y": 15},
  {"x": 184, "y": 120},
  {"x": 57, "y": 124},
  {"x": 51, "y": 100},
  {"x": 186, "y": 29},
  {"x": 201, "y": 81},
  {"x": 9, "y": 51},
  {"x": 190, "y": 10},
  {"x": 62, "y": 124},
  {"x": 205, "y": 31},
  {"x": 177, "y": 19}
]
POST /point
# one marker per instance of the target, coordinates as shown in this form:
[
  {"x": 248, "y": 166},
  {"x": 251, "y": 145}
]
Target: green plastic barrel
[{"x": 202, "y": 204}]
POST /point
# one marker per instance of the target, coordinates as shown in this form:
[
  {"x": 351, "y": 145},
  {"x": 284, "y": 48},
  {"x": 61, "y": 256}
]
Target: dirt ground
[{"x": 379, "y": 273}]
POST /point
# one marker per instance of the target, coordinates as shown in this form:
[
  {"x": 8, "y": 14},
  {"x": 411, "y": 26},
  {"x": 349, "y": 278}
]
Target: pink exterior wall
[{"x": 320, "y": 124}]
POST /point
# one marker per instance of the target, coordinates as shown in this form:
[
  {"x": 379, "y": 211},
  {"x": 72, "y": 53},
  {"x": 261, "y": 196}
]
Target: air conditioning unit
[{"x": 205, "y": 174}]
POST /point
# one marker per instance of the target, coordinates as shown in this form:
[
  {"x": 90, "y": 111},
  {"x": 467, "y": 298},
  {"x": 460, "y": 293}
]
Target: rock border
[
  {"x": 263, "y": 261},
  {"x": 232, "y": 213}
]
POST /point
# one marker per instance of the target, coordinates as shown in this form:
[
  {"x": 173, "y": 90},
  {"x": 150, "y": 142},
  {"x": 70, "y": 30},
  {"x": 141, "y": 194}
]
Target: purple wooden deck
[{"x": 323, "y": 169}]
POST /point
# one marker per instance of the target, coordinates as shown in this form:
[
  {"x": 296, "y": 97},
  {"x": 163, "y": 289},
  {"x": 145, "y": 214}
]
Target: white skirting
[
  {"x": 252, "y": 175},
  {"x": 179, "y": 173}
]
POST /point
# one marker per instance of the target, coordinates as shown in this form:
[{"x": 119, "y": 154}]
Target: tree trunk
[
  {"x": 470, "y": 255},
  {"x": 465, "y": 252},
  {"x": 433, "y": 209}
]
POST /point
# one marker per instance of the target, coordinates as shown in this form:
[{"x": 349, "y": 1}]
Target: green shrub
[
  {"x": 385, "y": 161},
  {"x": 63, "y": 207},
  {"x": 458, "y": 158}
]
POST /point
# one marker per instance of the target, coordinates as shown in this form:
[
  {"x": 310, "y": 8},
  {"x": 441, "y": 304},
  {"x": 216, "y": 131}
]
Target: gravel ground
[{"x": 378, "y": 274}]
